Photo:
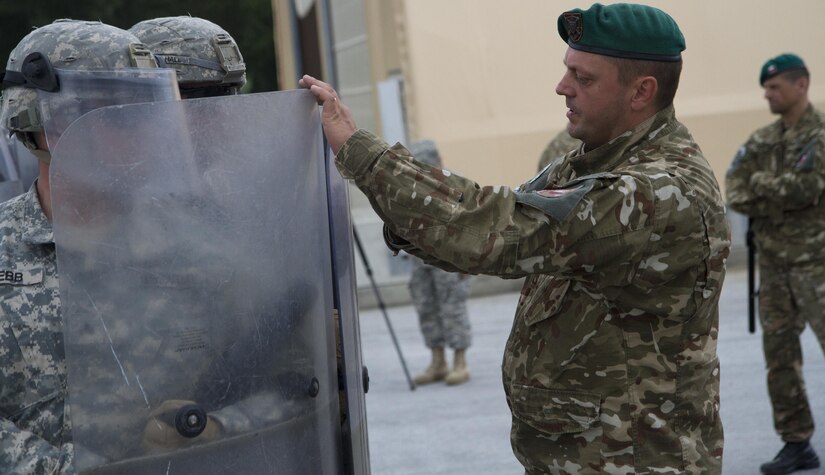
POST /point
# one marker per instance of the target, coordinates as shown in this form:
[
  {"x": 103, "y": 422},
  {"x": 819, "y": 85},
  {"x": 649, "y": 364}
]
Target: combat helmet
[
  {"x": 205, "y": 56},
  {"x": 63, "y": 47}
]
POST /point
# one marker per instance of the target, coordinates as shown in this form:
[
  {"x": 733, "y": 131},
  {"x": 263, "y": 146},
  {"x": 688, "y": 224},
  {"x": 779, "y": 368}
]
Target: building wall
[{"x": 481, "y": 75}]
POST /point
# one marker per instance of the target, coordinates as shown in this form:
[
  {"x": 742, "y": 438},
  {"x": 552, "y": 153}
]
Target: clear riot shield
[
  {"x": 10, "y": 184},
  {"x": 356, "y": 380},
  {"x": 194, "y": 247},
  {"x": 83, "y": 91}
]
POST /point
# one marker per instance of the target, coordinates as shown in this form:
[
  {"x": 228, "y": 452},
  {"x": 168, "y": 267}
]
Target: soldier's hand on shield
[
  {"x": 161, "y": 434},
  {"x": 338, "y": 122}
]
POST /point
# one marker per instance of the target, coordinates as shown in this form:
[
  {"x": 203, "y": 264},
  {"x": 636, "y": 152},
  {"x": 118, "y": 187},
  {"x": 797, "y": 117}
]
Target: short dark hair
[
  {"x": 667, "y": 75},
  {"x": 796, "y": 74}
]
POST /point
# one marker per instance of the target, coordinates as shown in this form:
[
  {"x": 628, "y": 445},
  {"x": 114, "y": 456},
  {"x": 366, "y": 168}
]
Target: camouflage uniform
[
  {"x": 777, "y": 179},
  {"x": 36, "y": 433},
  {"x": 440, "y": 298},
  {"x": 611, "y": 364},
  {"x": 558, "y": 147},
  {"x": 35, "y": 436}
]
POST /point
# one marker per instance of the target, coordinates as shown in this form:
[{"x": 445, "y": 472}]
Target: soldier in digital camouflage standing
[
  {"x": 35, "y": 429},
  {"x": 206, "y": 57},
  {"x": 777, "y": 179},
  {"x": 440, "y": 298},
  {"x": 611, "y": 365}
]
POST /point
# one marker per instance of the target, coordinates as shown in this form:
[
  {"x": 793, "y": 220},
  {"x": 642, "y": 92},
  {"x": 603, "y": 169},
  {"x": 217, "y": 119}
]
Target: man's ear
[
  {"x": 644, "y": 92},
  {"x": 803, "y": 83}
]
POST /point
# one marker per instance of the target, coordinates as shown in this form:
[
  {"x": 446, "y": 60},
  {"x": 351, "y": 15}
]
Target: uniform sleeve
[
  {"x": 761, "y": 193},
  {"x": 22, "y": 452},
  {"x": 799, "y": 188},
  {"x": 738, "y": 190},
  {"x": 599, "y": 225}
]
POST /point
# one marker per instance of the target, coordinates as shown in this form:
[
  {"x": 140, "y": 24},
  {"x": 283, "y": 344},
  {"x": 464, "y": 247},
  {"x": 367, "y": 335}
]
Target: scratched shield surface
[{"x": 193, "y": 247}]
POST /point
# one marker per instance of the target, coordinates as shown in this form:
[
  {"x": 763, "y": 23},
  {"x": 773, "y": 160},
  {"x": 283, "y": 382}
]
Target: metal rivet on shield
[
  {"x": 190, "y": 420},
  {"x": 314, "y": 387}
]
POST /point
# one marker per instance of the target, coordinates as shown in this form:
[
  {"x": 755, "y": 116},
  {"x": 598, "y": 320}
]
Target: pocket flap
[
  {"x": 555, "y": 412},
  {"x": 545, "y": 304}
]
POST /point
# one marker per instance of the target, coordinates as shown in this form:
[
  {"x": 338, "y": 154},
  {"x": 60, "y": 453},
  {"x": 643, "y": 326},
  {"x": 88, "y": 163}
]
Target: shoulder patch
[
  {"x": 805, "y": 162},
  {"x": 557, "y": 202},
  {"x": 737, "y": 159}
]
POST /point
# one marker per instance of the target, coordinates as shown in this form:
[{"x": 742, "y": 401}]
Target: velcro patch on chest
[
  {"x": 806, "y": 160},
  {"x": 21, "y": 277}
]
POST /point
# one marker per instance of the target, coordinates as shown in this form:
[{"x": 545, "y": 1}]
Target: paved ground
[{"x": 465, "y": 429}]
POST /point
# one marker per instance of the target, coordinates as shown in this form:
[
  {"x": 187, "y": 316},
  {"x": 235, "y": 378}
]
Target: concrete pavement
[{"x": 465, "y": 429}]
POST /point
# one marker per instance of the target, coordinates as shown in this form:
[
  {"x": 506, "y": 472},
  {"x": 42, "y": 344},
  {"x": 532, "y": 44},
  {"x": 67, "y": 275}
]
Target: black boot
[{"x": 794, "y": 456}]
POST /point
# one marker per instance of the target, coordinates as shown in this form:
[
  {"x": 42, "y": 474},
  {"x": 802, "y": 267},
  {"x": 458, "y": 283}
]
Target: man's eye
[{"x": 582, "y": 80}]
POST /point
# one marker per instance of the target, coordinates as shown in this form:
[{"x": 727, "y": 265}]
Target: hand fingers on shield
[{"x": 323, "y": 92}]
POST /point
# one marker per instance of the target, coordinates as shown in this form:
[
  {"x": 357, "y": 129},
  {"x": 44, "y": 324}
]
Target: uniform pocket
[
  {"x": 31, "y": 332},
  {"x": 544, "y": 301},
  {"x": 555, "y": 411}
]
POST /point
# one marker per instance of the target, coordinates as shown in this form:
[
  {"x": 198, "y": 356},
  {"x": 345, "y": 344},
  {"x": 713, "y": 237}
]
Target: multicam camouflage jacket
[
  {"x": 777, "y": 179},
  {"x": 611, "y": 364},
  {"x": 557, "y": 148},
  {"x": 35, "y": 434}
]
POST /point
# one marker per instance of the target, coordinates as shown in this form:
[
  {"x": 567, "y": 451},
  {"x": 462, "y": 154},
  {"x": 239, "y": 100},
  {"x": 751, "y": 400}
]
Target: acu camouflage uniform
[
  {"x": 611, "y": 364},
  {"x": 777, "y": 179},
  {"x": 440, "y": 299},
  {"x": 36, "y": 433},
  {"x": 35, "y": 430}
]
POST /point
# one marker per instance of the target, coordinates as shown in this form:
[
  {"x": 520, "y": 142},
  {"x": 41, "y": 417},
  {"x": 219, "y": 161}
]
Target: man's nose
[{"x": 563, "y": 89}]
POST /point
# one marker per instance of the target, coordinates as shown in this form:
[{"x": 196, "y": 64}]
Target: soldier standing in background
[
  {"x": 777, "y": 179},
  {"x": 440, "y": 299},
  {"x": 611, "y": 364}
]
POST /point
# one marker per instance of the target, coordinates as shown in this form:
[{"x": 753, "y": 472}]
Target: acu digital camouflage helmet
[
  {"x": 68, "y": 45},
  {"x": 204, "y": 55}
]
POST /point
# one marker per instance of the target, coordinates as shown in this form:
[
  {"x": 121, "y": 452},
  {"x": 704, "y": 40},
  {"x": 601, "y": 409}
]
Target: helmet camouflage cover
[
  {"x": 202, "y": 53},
  {"x": 66, "y": 45}
]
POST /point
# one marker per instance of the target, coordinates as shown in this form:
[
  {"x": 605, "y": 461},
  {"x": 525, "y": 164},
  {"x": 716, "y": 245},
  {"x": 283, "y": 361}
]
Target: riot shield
[
  {"x": 82, "y": 91},
  {"x": 356, "y": 378},
  {"x": 10, "y": 184},
  {"x": 193, "y": 243}
]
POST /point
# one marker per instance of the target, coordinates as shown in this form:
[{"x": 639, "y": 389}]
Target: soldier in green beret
[
  {"x": 777, "y": 179},
  {"x": 611, "y": 363}
]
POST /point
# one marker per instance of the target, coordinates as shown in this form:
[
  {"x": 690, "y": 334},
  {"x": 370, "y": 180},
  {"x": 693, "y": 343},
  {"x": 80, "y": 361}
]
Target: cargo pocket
[{"x": 555, "y": 411}]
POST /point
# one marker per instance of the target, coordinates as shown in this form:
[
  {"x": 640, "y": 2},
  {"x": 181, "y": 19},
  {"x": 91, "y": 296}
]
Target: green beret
[
  {"x": 623, "y": 30},
  {"x": 781, "y": 64}
]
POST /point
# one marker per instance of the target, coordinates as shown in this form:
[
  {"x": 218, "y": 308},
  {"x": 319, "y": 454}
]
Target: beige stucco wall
[{"x": 481, "y": 74}]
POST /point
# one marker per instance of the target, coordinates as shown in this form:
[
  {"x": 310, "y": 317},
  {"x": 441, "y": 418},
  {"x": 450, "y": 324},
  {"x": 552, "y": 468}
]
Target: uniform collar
[
  {"x": 38, "y": 229},
  {"x": 612, "y": 154},
  {"x": 806, "y": 122}
]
